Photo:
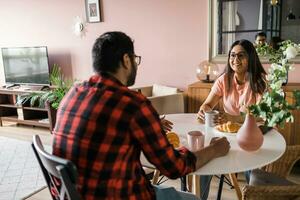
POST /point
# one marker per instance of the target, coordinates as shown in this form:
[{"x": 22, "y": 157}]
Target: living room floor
[{"x": 26, "y": 132}]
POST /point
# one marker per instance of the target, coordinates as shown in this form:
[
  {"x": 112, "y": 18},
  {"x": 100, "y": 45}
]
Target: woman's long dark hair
[{"x": 255, "y": 69}]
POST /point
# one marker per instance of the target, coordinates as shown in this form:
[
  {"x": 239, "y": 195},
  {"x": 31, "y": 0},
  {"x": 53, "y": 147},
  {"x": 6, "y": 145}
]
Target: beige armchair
[{"x": 166, "y": 100}]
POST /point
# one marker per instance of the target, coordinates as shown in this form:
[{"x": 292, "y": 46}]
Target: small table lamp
[
  {"x": 274, "y": 2},
  {"x": 207, "y": 71}
]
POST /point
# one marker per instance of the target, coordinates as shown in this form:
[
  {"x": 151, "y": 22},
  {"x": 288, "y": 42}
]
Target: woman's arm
[{"x": 208, "y": 105}]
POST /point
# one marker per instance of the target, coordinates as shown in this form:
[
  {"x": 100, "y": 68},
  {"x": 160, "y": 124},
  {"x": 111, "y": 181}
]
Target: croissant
[
  {"x": 173, "y": 139},
  {"x": 230, "y": 127}
]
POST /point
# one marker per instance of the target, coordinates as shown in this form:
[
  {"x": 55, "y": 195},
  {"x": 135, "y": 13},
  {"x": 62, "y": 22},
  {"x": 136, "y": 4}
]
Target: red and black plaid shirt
[{"x": 102, "y": 127}]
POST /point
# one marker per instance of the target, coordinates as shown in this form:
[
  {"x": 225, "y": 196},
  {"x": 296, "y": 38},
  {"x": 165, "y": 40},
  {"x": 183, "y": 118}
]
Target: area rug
[{"x": 20, "y": 173}]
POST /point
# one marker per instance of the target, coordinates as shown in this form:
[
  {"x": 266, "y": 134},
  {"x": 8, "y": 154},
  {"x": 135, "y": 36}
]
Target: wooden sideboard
[{"x": 197, "y": 93}]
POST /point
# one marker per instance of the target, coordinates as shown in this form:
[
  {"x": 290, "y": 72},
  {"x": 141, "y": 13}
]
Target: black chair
[{"x": 60, "y": 174}]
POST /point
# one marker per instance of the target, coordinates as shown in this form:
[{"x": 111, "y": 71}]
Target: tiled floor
[{"x": 20, "y": 174}]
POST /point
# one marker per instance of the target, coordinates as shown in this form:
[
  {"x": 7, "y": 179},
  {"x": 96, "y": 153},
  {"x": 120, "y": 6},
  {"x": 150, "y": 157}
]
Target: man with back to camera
[
  {"x": 260, "y": 39},
  {"x": 102, "y": 126}
]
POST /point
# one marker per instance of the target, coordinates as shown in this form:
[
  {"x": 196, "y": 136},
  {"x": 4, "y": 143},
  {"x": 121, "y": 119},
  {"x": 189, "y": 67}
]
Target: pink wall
[{"x": 170, "y": 35}]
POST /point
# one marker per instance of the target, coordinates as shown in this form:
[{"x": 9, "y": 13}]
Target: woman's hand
[
  {"x": 233, "y": 118},
  {"x": 208, "y": 105},
  {"x": 166, "y": 124},
  {"x": 201, "y": 116},
  {"x": 219, "y": 119}
]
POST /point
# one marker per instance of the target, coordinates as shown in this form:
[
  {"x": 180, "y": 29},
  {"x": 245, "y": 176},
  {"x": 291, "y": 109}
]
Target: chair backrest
[
  {"x": 60, "y": 174},
  {"x": 283, "y": 166},
  {"x": 271, "y": 192},
  {"x": 161, "y": 90},
  {"x": 169, "y": 104},
  {"x": 165, "y": 100}
]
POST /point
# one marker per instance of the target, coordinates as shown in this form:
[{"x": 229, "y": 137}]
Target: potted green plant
[
  {"x": 273, "y": 108},
  {"x": 51, "y": 99}
]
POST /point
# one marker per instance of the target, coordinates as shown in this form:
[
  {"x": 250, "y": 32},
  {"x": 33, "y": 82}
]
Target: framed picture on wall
[{"x": 93, "y": 11}]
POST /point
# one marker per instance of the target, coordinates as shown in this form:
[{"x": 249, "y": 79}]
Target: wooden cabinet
[
  {"x": 22, "y": 114},
  {"x": 197, "y": 93}
]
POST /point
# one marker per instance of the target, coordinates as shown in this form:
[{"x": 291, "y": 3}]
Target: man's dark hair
[
  {"x": 109, "y": 49},
  {"x": 263, "y": 34},
  {"x": 255, "y": 69}
]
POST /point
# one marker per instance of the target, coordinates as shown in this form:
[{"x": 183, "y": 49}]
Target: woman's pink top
[{"x": 239, "y": 97}]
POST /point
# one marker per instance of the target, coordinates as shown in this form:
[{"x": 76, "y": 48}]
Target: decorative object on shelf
[
  {"x": 207, "y": 71},
  {"x": 273, "y": 108},
  {"x": 93, "y": 10},
  {"x": 79, "y": 27},
  {"x": 290, "y": 16},
  {"x": 249, "y": 136}
]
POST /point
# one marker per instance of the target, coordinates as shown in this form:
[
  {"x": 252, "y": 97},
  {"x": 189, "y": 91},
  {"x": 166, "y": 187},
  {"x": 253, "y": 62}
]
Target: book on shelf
[
  {"x": 46, "y": 120},
  {"x": 20, "y": 113}
]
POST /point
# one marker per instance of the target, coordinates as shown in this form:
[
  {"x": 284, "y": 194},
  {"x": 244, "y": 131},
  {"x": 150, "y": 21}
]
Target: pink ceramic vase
[{"x": 249, "y": 136}]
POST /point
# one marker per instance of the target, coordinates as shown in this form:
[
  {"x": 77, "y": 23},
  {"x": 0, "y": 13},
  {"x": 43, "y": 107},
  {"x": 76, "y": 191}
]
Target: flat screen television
[{"x": 26, "y": 65}]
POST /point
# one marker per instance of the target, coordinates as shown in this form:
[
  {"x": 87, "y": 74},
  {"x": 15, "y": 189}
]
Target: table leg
[
  {"x": 189, "y": 182},
  {"x": 155, "y": 177},
  {"x": 193, "y": 183},
  {"x": 220, "y": 187},
  {"x": 235, "y": 183},
  {"x": 183, "y": 183}
]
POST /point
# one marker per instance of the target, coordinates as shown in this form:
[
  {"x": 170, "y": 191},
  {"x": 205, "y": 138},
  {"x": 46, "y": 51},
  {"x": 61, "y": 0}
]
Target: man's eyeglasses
[{"x": 137, "y": 59}]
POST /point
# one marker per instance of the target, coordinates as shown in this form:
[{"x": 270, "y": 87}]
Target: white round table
[{"x": 237, "y": 160}]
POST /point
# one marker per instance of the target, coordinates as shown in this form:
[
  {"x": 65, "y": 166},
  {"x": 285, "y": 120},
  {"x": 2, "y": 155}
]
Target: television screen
[{"x": 26, "y": 65}]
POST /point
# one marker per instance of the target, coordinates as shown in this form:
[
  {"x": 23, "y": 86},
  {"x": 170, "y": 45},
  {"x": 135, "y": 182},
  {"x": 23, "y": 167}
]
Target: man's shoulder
[
  {"x": 134, "y": 95},
  {"x": 115, "y": 91}
]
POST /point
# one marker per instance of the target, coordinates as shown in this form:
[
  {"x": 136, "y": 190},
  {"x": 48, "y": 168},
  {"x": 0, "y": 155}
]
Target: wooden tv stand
[{"x": 21, "y": 114}]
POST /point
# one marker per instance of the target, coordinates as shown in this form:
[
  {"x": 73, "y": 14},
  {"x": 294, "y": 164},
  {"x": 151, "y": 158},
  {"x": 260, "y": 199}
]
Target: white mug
[
  {"x": 210, "y": 118},
  {"x": 195, "y": 140}
]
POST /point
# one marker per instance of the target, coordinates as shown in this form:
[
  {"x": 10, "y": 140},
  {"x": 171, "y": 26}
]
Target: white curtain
[
  {"x": 260, "y": 15},
  {"x": 230, "y": 21}
]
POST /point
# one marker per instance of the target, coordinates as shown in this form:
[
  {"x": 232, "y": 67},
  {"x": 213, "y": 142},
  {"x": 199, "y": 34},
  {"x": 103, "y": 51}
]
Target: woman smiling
[{"x": 241, "y": 84}]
